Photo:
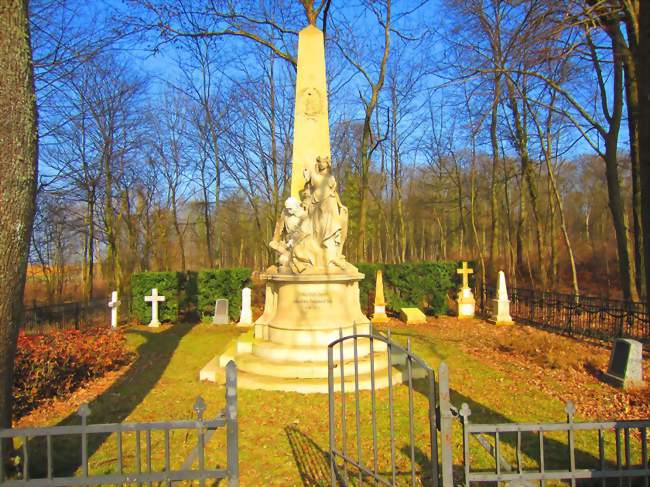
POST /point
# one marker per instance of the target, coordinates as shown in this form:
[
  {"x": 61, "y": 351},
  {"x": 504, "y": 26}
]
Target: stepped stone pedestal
[{"x": 287, "y": 348}]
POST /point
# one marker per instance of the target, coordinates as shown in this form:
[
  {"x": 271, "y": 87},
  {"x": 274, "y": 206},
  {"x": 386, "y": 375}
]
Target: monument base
[
  {"x": 287, "y": 349},
  {"x": 501, "y": 313},
  {"x": 379, "y": 316},
  {"x": 466, "y": 304}
]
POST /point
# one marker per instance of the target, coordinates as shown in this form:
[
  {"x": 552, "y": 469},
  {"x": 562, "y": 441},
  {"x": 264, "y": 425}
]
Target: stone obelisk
[
  {"x": 312, "y": 294},
  {"x": 379, "y": 315},
  {"x": 311, "y": 133}
]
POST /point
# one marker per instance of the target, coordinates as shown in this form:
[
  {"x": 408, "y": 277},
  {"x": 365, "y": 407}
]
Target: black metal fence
[
  {"x": 574, "y": 315},
  {"x": 65, "y": 316}
]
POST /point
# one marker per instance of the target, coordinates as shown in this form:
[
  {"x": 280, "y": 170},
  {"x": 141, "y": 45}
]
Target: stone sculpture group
[{"x": 310, "y": 233}]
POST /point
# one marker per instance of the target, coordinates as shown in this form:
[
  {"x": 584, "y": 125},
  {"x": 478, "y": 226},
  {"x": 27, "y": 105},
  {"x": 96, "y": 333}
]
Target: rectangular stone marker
[
  {"x": 412, "y": 316},
  {"x": 626, "y": 363},
  {"x": 221, "y": 316},
  {"x": 246, "y": 315}
]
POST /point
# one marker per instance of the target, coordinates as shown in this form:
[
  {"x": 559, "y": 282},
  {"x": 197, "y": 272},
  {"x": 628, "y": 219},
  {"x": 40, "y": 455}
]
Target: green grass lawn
[{"x": 284, "y": 436}]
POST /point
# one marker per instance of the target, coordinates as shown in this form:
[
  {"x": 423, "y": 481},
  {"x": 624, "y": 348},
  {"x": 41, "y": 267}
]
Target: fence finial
[
  {"x": 465, "y": 411},
  {"x": 84, "y": 410},
  {"x": 199, "y": 407},
  {"x": 570, "y": 410}
]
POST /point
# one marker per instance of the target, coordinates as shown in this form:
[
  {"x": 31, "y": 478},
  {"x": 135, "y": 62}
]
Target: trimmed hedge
[
  {"x": 425, "y": 285},
  {"x": 227, "y": 284},
  {"x": 57, "y": 364},
  {"x": 168, "y": 285}
]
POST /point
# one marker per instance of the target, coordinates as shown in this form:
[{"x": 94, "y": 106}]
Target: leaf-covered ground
[{"x": 505, "y": 374}]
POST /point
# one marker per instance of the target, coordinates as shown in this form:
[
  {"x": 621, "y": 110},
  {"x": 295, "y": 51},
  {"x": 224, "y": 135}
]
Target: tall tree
[
  {"x": 18, "y": 160},
  {"x": 643, "y": 63}
]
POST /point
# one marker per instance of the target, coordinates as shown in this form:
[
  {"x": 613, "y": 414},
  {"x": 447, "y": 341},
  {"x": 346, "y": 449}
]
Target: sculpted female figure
[{"x": 329, "y": 216}]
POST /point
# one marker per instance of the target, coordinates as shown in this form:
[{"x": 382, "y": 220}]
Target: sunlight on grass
[{"x": 284, "y": 436}]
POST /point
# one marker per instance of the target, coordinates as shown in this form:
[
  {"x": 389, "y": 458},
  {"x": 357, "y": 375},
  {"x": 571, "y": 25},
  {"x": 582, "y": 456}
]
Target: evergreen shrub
[
  {"x": 227, "y": 284},
  {"x": 168, "y": 285},
  {"x": 425, "y": 285}
]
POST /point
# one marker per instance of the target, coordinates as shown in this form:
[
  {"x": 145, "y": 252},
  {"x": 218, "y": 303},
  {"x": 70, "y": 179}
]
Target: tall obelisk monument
[{"x": 311, "y": 132}]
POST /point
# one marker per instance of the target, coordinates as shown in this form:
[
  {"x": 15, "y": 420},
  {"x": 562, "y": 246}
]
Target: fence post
[
  {"x": 465, "y": 413},
  {"x": 232, "y": 425},
  {"x": 446, "y": 418}
]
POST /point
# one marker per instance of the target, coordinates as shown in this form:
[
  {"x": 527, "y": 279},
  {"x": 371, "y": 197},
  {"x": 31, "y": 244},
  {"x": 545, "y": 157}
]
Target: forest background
[{"x": 496, "y": 131}]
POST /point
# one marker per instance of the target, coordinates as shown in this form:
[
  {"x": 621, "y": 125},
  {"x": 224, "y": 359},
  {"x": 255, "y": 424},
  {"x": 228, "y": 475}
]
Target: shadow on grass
[
  {"x": 114, "y": 405},
  {"x": 312, "y": 461}
]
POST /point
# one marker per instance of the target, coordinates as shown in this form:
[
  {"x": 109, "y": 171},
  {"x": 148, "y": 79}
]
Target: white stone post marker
[
  {"x": 466, "y": 303},
  {"x": 246, "y": 316},
  {"x": 154, "y": 299},
  {"x": 502, "y": 303},
  {"x": 114, "y": 304}
]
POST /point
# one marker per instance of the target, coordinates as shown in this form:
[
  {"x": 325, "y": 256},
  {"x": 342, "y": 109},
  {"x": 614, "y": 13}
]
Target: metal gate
[{"x": 370, "y": 368}]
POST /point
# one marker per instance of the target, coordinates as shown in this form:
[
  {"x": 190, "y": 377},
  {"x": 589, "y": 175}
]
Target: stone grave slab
[
  {"x": 412, "y": 316},
  {"x": 221, "y": 316}
]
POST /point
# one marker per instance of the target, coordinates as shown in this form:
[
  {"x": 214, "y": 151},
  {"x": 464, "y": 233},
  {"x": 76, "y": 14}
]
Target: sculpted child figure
[{"x": 293, "y": 239}]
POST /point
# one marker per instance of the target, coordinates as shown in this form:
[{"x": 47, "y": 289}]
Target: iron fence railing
[
  {"x": 627, "y": 464},
  {"x": 574, "y": 315},
  {"x": 64, "y": 316},
  {"x": 196, "y": 466}
]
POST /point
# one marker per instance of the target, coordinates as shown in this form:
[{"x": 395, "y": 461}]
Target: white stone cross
[
  {"x": 114, "y": 304},
  {"x": 154, "y": 299},
  {"x": 465, "y": 271}
]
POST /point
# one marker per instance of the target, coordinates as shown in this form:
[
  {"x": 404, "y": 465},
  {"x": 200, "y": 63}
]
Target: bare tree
[{"x": 19, "y": 140}]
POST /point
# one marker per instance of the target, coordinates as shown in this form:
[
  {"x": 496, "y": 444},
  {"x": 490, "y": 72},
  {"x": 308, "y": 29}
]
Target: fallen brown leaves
[{"x": 563, "y": 367}]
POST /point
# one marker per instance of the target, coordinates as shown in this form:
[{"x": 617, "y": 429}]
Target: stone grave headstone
[
  {"x": 221, "y": 316},
  {"x": 626, "y": 363},
  {"x": 246, "y": 315}
]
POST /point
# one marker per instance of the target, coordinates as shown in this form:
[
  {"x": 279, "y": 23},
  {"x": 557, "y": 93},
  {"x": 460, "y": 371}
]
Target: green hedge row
[
  {"x": 227, "y": 284},
  {"x": 425, "y": 285},
  {"x": 186, "y": 292}
]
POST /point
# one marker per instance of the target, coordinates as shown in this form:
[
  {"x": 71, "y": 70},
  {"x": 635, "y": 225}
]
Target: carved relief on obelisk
[{"x": 311, "y": 136}]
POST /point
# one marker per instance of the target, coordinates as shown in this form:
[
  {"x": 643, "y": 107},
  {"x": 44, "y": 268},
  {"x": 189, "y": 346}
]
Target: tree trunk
[
  {"x": 494, "y": 210},
  {"x": 18, "y": 159},
  {"x": 643, "y": 64}
]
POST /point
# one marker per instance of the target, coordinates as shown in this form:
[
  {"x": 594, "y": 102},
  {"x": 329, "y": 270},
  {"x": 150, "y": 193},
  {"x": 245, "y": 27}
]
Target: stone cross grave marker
[
  {"x": 114, "y": 304},
  {"x": 246, "y": 315},
  {"x": 466, "y": 302},
  {"x": 154, "y": 299},
  {"x": 221, "y": 316},
  {"x": 465, "y": 271},
  {"x": 626, "y": 363}
]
